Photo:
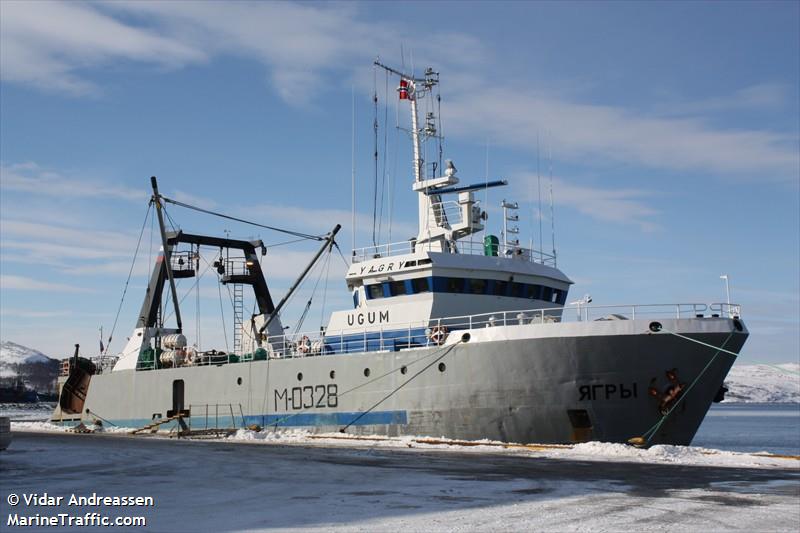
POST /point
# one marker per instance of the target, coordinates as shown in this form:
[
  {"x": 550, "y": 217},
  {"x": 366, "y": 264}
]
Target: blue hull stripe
[
  {"x": 329, "y": 419},
  {"x": 281, "y": 420}
]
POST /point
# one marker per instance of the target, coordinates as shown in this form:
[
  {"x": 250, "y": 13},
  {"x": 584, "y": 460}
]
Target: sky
[{"x": 671, "y": 131}]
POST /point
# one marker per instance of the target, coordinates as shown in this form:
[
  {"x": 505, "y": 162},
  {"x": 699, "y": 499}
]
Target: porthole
[
  {"x": 403, "y": 369},
  {"x": 333, "y": 374},
  {"x": 366, "y": 372},
  {"x": 239, "y": 381},
  {"x": 442, "y": 367},
  {"x": 299, "y": 376}
]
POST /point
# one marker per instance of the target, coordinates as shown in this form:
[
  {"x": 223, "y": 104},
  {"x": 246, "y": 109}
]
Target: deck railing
[
  {"x": 464, "y": 247},
  {"x": 433, "y": 332}
]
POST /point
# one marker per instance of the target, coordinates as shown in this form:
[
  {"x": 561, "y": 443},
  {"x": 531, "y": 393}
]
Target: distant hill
[
  {"x": 35, "y": 368},
  {"x": 764, "y": 383}
]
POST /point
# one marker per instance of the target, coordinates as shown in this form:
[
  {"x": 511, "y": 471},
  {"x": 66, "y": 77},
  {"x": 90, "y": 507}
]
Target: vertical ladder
[
  {"x": 510, "y": 215},
  {"x": 238, "y": 316}
]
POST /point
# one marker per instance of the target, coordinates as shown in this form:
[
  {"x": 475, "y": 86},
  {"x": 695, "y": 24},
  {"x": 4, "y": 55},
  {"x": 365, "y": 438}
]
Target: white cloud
[
  {"x": 31, "y": 313},
  {"x": 762, "y": 96},
  {"x": 46, "y": 43},
  {"x": 602, "y": 133},
  {"x": 192, "y": 199},
  {"x": 52, "y": 45},
  {"x": 623, "y": 206},
  {"x": 104, "y": 243},
  {"x": 322, "y": 220},
  {"x": 70, "y": 250},
  {"x": 31, "y": 178},
  {"x": 302, "y": 47},
  {"x": 11, "y": 282}
]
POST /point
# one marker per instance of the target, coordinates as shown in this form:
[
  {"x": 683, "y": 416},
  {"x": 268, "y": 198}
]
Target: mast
[
  {"x": 415, "y": 131},
  {"x": 167, "y": 253},
  {"x": 438, "y": 230}
]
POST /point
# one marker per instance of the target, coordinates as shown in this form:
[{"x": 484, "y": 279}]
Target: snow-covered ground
[
  {"x": 763, "y": 383},
  {"x": 589, "y": 451},
  {"x": 375, "y": 486}
]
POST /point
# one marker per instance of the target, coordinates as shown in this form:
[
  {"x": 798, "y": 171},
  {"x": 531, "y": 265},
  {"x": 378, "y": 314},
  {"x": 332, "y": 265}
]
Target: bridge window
[
  {"x": 500, "y": 288},
  {"x": 535, "y": 292},
  {"x": 547, "y": 294},
  {"x": 454, "y": 285},
  {"x": 375, "y": 291},
  {"x": 421, "y": 285},
  {"x": 559, "y": 296},
  {"x": 517, "y": 290},
  {"x": 463, "y": 286},
  {"x": 397, "y": 288},
  {"x": 477, "y": 286}
]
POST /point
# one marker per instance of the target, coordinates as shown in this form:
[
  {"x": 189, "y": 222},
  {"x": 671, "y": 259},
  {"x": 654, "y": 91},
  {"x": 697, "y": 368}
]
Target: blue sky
[{"x": 673, "y": 126}]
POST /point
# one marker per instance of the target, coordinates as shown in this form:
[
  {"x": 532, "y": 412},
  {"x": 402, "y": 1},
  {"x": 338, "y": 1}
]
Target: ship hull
[{"x": 543, "y": 383}]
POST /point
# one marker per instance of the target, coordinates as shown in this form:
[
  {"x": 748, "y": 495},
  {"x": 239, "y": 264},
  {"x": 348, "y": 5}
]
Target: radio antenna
[
  {"x": 539, "y": 181},
  {"x": 353, "y": 170},
  {"x": 552, "y": 211}
]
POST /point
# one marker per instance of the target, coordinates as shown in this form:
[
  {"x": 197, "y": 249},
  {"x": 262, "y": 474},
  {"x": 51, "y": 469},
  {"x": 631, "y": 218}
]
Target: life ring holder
[{"x": 438, "y": 334}]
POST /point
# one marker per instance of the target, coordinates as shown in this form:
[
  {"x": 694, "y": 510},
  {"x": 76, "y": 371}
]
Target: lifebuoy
[
  {"x": 304, "y": 346},
  {"x": 438, "y": 334}
]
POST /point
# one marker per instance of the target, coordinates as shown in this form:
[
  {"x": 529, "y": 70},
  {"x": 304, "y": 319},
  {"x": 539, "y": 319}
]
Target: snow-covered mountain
[
  {"x": 13, "y": 353},
  {"x": 31, "y": 365},
  {"x": 764, "y": 383}
]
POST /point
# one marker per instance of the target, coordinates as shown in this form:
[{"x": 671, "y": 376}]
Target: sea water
[
  {"x": 751, "y": 427},
  {"x": 738, "y": 427}
]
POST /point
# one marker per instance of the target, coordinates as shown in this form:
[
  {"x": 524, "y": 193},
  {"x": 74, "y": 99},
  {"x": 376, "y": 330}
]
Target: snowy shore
[
  {"x": 589, "y": 451},
  {"x": 249, "y": 483}
]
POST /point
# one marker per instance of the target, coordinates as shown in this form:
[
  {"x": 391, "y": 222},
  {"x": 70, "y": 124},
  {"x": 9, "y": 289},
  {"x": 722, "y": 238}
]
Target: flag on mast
[{"x": 403, "y": 89}]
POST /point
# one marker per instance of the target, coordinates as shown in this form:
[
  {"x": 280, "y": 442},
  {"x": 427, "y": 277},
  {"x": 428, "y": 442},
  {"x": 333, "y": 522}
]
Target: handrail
[
  {"x": 202, "y": 410},
  {"x": 462, "y": 247},
  {"x": 420, "y": 333}
]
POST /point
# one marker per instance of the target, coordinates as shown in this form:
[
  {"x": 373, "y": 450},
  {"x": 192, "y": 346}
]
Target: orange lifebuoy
[
  {"x": 304, "y": 346},
  {"x": 438, "y": 334}
]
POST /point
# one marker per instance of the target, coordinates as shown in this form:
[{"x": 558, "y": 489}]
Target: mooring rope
[
  {"x": 373, "y": 380},
  {"x": 90, "y": 412},
  {"x": 648, "y": 435},
  {"x": 409, "y": 380}
]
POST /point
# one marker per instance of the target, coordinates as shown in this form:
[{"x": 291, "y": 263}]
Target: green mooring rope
[{"x": 648, "y": 435}]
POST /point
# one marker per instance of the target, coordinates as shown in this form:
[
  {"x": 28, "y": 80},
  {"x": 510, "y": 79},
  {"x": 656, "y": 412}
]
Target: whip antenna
[
  {"x": 539, "y": 181},
  {"x": 353, "y": 171},
  {"x": 552, "y": 211}
]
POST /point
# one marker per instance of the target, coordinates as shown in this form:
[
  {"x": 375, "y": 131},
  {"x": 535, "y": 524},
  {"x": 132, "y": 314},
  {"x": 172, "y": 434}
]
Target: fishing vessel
[{"x": 448, "y": 335}]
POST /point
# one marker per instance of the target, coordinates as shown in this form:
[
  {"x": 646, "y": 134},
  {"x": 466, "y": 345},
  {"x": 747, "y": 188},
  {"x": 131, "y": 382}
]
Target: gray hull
[{"x": 545, "y": 383}]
